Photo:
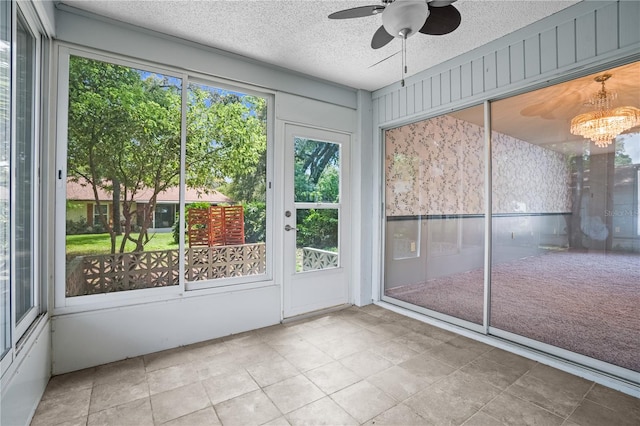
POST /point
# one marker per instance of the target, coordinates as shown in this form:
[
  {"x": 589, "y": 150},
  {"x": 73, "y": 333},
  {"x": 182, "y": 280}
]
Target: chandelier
[{"x": 605, "y": 123}]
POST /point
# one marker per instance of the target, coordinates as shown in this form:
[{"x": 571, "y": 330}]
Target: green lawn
[{"x": 90, "y": 244}]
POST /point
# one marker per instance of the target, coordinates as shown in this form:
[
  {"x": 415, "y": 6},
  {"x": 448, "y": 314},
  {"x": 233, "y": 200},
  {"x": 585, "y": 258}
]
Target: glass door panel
[
  {"x": 566, "y": 248},
  {"x": 434, "y": 240},
  {"x": 5, "y": 177}
]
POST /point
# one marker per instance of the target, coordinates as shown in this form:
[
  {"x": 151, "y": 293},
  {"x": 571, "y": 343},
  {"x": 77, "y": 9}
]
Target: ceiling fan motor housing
[{"x": 403, "y": 18}]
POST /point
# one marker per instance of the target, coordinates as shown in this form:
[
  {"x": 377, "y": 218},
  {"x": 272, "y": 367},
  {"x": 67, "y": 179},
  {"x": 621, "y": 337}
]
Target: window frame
[{"x": 61, "y": 303}]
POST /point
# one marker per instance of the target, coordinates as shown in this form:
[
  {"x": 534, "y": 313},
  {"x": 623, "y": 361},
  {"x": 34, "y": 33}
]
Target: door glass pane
[
  {"x": 317, "y": 171},
  {"x": 434, "y": 242},
  {"x": 566, "y": 249},
  {"x": 5, "y": 158},
  {"x": 123, "y": 157},
  {"x": 316, "y": 239},
  {"x": 226, "y": 186},
  {"x": 24, "y": 160}
]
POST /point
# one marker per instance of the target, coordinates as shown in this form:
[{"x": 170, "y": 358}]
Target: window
[
  {"x": 145, "y": 157},
  {"x": 5, "y": 152}
]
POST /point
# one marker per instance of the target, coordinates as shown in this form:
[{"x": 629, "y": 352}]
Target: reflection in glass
[
  {"x": 24, "y": 164},
  {"x": 566, "y": 249},
  {"x": 317, "y": 174},
  {"x": 5, "y": 155},
  {"x": 434, "y": 240}
]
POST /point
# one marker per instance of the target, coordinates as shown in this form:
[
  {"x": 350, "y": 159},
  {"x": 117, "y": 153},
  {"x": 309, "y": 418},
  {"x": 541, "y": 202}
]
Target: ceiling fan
[{"x": 404, "y": 18}]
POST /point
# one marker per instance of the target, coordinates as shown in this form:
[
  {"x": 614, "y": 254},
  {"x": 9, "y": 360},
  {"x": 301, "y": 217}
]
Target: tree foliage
[{"x": 124, "y": 137}]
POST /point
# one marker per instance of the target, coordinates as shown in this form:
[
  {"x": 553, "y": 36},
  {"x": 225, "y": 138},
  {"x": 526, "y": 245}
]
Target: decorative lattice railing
[
  {"x": 130, "y": 271},
  {"x": 314, "y": 259}
]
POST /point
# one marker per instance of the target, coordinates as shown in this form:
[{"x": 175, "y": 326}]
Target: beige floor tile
[
  {"x": 268, "y": 373},
  {"x": 363, "y": 401},
  {"x": 280, "y": 421},
  {"x": 217, "y": 364},
  {"x": 204, "y": 417},
  {"x": 205, "y": 350},
  {"x": 439, "y": 407},
  {"x": 350, "y": 344},
  {"x": 482, "y": 419},
  {"x": 168, "y": 358},
  {"x": 388, "y": 330},
  {"x": 254, "y": 354},
  {"x": 615, "y": 400},
  {"x": 452, "y": 355},
  {"x": 472, "y": 345},
  {"x": 112, "y": 394},
  {"x": 78, "y": 421},
  {"x": 135, "y": 413},
  {"x": 293, "y": 393},
  {"x": 498, "y": 375},
  {"x": 468, "y": 387},
  {"x": 426, "y": 367},
  {"x": 321, "y": 412},
  {"x": 308, "y": 358},
  {"x": 366, "y": 363},
  {"x": 131, "y": 370},
  {"x": 253, "y": 408},
  {"x": 511, "y": 410},
  {"x": 62, "y": 407},
  {"x": 395, "y": 351},
  {"x": 398, "y": 382},
  {"x": 418, "y": 342},
  {"x": 513, "y": 361},
  {"x": 551, "y": 389},
  {"x": 396, "y": 416},
  {"x": 179, "y": 402},
  {"x": 229, "y": 385},
  {"x": 70, "y": 382},
  {"x": 172, "y": 377},
  {"x": 590, "y": 413},
  {"x": 332, "y": 377},
  {"x": 246, "y": 339}
]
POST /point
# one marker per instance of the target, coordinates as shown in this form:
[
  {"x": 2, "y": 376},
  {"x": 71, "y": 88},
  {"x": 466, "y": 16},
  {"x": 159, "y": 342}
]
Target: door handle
[{"x": 289, "y": 228}]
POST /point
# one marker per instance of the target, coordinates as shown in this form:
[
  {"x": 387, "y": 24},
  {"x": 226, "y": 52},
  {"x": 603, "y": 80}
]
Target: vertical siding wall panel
[
  {"x": 548, "y": 52},
  {"x": 466, "y": 80},
  {"x": 490, "y": 74},
  {"x": 455, "y": 84},
  {"x": 402, "y": 101},
  {"x": 629, "y": 17},
  {"x": 411, "y": 103},
  {"x": 435, "y": 91},
  {"x": 445, "y": 87},
  {"x": 502, "y": 61},
  {"x": 516, "y": 61},
  {"x": 586, "y": 36},
  {"x": 419, "y": 96},
  {"x": 426, "y": 94},
  {"x": 566, "y": 40},
  {"x": 375, "y": 107},
  {"x": 567, "y": 44},
  {"x": 606, "y": 29},
  {"x": 532, "y": 56},
  {"x": 477, "y": 72}
]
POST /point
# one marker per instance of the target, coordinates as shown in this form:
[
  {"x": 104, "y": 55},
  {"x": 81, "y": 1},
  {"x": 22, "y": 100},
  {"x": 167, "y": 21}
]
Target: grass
[{"x": 92, "y": 244}]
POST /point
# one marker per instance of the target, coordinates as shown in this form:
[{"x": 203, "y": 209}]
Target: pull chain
[{"x": 404, "y": 59}]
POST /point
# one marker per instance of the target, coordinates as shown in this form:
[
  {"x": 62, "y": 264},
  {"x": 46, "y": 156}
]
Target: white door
[{"x": 316, "y": 228}]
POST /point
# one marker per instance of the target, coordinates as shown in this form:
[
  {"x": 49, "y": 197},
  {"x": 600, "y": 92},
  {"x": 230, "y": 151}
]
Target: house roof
[{"x": 82, "y": 191}]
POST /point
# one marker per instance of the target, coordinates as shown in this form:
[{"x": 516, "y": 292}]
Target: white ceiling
[{"x": 296, "y": 34}]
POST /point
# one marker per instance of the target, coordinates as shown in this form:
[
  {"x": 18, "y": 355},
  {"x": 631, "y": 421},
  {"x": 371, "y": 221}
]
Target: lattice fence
[
  {"x": 314, "y": 259},
  {"x": 131, "y": 271}
]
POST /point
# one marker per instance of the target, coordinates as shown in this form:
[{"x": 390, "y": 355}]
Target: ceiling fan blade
[
  {"x": 357, "y": 12},
  {"x": 441, "y": 20},
  {"x": 381, "y": 38}
]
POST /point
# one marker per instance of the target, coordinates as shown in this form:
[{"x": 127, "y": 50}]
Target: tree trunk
[{"x": 117, "y": 229}]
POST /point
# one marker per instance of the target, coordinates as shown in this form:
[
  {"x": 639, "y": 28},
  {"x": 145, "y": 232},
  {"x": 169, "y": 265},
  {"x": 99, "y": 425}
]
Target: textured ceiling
[{"x": 298, "y": 35}]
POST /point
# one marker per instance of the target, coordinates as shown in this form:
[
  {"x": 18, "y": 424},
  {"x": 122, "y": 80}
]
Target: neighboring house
[{"x": 81, "y": 203}]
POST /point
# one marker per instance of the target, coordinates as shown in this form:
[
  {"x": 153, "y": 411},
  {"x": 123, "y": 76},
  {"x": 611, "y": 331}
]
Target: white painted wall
[{"x": 23, "y": 384}]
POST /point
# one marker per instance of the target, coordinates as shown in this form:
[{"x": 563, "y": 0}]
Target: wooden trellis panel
[
  {"x": 198, "y": 227},
  {"x": 233, "y": 217}
]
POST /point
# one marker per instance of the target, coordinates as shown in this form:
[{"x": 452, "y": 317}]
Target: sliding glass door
[
  {"x": 565, "y": 235},
  {"x": 434, "y": 244}
]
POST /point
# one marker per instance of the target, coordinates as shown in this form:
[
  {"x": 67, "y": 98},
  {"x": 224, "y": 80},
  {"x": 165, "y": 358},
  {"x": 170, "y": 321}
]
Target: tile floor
[{"x": 356, "y": 366}]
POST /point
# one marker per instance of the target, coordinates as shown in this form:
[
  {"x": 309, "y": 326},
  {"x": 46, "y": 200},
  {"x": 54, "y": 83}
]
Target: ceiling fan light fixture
[{"x": 403, "y": 18}]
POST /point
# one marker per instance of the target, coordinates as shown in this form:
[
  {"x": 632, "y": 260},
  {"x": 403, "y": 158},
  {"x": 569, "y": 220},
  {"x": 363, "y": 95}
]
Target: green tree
[{"x": 124, "y": 137}]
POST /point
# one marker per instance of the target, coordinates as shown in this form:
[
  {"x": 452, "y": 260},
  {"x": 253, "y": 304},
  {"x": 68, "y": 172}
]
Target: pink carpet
[{"x": 588, "y": 303}]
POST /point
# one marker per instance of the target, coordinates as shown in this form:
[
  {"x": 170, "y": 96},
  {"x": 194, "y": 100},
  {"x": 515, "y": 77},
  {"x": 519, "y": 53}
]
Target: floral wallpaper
[{"x": 436, "y": 167}]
